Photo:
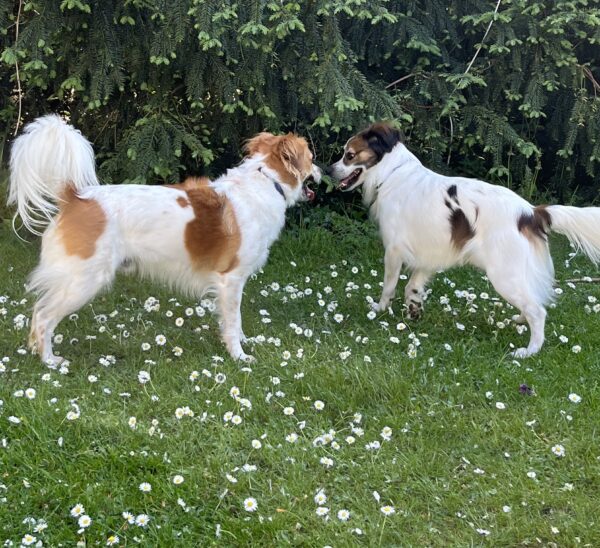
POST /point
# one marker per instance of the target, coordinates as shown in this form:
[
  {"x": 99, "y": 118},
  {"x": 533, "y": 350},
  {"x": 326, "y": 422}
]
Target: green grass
[{"x": 453, "y": 462}]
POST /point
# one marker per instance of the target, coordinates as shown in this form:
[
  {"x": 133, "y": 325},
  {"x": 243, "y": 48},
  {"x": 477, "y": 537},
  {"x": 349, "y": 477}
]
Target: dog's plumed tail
[
  {"x": 581, "y": 225},
  {"x": 47, "y": 158}
]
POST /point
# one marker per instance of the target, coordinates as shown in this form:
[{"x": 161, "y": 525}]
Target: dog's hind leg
[
  {"x": 63, "y": 291},
  {"x": 414, "y": 292},
  {"x": 526, "y": 284},
  {"x": 393, "y": 265}
]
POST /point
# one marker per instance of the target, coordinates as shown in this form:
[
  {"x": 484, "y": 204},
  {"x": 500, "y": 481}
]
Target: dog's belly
[{"x": 422, "y": 243}]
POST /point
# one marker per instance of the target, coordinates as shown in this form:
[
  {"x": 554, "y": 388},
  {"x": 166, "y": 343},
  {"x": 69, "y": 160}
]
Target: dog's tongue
[
  {"x": 310, "y": 195},
  {"x": 347, "y": 181},
  {"x": 344, "y": 182}
]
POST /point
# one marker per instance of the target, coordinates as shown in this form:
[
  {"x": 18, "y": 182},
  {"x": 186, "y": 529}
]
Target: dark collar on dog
[
  {"x": 276, "y": 183},
  {"x": 380, "y": 184}
]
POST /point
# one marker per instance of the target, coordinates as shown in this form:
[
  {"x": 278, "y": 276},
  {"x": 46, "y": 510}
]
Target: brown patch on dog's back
[
  {"x": 461, "y": 230},
  {"x": 80, "y": 223},
  {"x": 213, "y": 237},
  {"x": 190, "y": 183},
  {"x": 536, "y": 224}
]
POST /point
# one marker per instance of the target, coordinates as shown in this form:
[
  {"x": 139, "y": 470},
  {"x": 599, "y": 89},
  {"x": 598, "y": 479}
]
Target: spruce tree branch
[
  {"x": 19, "y": 89},
  {"x": 487, "y": 31}
]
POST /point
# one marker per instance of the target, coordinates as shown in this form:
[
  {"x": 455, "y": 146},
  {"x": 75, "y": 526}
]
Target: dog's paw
[
  {"x": 520, "y": 353},
  {"x": 246, "y": 358},
  {"x": 379, "y": 307},
  {"x": 415, "y": 310},
  {"x": 54, "y": 361}
]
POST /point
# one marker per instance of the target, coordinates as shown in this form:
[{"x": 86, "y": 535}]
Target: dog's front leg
[
  {"x": 414, "y": 293},
  {"x": 393, "y": 265},
  {"x": 230, "y": 300}
]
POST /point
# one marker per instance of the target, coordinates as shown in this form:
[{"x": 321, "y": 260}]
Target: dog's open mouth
[
  {"x": 347, "y": 182},
  {"x": 308, "y": 193}
]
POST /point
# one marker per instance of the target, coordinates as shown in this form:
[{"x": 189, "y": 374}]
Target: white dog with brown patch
[
  {"x": 431, "y": 222},
  {"x": 196, "y": 236}
]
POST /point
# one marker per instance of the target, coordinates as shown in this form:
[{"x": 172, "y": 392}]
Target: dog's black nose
[{"x": 329, "y": 170}]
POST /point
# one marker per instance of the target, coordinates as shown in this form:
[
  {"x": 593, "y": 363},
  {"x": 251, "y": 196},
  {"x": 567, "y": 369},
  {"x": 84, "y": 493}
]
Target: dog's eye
[{"x": 350, "y": 155}]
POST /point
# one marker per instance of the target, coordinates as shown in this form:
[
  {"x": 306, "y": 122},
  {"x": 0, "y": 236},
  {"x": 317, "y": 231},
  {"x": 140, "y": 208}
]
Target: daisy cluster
[{"x": 351, "y": 424}]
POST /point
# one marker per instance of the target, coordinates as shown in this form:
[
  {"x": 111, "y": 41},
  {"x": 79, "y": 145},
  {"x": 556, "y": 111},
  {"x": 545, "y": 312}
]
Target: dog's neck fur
[
  {"x": 257, "y": 163},
  {"x": 375, "y": 178}
]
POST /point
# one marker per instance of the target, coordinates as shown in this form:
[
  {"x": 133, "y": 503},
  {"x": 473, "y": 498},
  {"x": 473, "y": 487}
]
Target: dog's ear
[
  {"x": 260, "y": 143},
  {"x": 382, "y": 138},
  {"x": 290, "y": 150}
]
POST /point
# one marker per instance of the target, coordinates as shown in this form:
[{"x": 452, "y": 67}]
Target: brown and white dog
[
  {"x": 431, "y": 222},
  {"x": 196, "y": 236}
]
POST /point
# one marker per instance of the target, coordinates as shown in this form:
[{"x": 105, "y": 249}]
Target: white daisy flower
[
  {"x": 143, "y": 377},
  {"x": 84, "y": 521},
  {"x": 77, "y": 510},
  {"x": 250, "y": 504},
  {"x": 326, "y": 461},
  {"x": 320, "y": 497},
  {"x": 27, "y": 540},
  {"x": 177, "y": 351},
  {"x": 142, "y": 520},
  {"x": 343, "y": 515}
]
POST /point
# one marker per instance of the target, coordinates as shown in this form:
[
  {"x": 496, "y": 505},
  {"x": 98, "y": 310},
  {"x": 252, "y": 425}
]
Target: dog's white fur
[
  {"x": 144, "y": 226},
  {"x": 408, "y": 202}
]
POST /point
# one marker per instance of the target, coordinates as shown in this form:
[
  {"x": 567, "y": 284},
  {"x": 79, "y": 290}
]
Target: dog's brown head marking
[
  {"x": 362, "y": 152},
  {"x": 368, "y": 147},
  {"x": 288, "y": 155}
]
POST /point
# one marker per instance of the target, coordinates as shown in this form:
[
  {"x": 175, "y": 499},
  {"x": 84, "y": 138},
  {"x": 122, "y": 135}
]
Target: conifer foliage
[{"x": 508, "y": 90}]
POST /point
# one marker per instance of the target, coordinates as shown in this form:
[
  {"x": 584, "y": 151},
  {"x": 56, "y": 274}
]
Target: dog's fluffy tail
[
  {"x": 581, "y": 225},
  {"x": 49, "y": 156}
]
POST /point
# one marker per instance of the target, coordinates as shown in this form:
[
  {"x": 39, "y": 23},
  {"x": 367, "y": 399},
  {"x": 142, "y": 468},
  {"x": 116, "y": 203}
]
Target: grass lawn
[{"x": 429, "y": 418}]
